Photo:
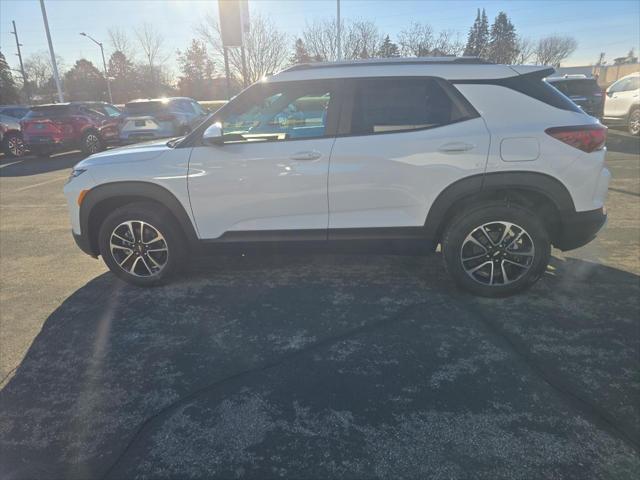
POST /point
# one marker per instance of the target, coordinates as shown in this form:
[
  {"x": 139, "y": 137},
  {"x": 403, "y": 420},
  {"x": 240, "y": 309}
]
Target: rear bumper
[{"x": 579, "y": 228}]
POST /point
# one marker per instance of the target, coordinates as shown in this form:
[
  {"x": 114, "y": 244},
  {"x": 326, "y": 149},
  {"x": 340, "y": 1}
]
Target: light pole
[{"x": 104, "y": 63}]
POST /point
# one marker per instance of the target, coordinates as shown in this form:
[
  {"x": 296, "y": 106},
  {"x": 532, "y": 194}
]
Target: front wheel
[
  {"x": 634, "y": 122},
  {"x": 142, "y": 244},
  {"x": 496, "y": 250},
  {"x": 13, "y": 145}
]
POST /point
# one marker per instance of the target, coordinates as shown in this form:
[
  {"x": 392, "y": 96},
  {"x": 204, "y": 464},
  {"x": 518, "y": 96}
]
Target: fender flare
[
  {"x": 481, "y": 184},
  {"x": 144, "y": 190}
]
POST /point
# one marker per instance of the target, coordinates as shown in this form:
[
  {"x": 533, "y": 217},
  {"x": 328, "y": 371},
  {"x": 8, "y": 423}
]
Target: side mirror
[{"x": 213, "y": 134}]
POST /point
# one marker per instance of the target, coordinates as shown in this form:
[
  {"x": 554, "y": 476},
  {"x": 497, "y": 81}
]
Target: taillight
[{"x": 587, "y": 138}]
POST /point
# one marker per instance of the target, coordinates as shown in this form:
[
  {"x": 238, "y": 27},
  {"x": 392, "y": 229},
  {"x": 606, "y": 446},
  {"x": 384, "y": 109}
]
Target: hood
[{"x": 130, "y": 153}]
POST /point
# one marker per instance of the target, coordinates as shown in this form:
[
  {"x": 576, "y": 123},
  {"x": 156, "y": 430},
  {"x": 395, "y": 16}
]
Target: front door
[{"x": 268, "y": 179}]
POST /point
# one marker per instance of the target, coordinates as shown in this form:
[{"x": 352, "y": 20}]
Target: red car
[{"x": 89, "y": 126}]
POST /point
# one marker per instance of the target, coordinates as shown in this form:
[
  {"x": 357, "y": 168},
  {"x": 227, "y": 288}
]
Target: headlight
[{"x": 76, "y": 172}]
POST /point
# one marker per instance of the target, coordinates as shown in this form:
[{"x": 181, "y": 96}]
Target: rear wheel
[
  {"x": 142, "y": 244},
  {"x": 634, "y": 122},
  {"x": 91, "y": 143},
  {"x": 496, "y": 250}
]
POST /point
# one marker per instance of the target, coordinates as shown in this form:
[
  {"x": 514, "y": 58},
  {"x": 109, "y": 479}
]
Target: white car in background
[{"x": 622, "y": 103}]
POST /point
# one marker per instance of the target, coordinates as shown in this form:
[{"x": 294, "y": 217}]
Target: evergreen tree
[
  {"x": 123, "y": 74},
  {"x": 478, "y": 36},
  {"x": 300, "y": 55},
  {"x": 197, "y": 71},
  {"x": 503, "y": 43},
  {"x": 8, "y": 90},
  {"x": 388, "y": 49},
  {"x": 85, "y": 82}
]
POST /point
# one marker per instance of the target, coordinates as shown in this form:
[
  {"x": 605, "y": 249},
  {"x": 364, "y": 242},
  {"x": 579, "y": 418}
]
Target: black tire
[
  {"x": 158, "y": 218},
  {"x": 633, "y": 125},
  {"x": 91, "y": 143},
  {"x": 489, "y": 214},
  {"x": 13, "y": 146}
]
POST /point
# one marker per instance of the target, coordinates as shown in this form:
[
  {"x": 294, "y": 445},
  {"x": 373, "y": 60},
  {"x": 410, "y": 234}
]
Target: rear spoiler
[{"x": 533, "y": 71}]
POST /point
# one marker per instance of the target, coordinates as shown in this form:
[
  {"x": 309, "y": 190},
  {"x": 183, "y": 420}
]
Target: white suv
[
  {"x": 400, "y": 155},
  {"x": 622, "y": 103}
]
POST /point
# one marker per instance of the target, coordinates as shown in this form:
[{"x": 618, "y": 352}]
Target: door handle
[
  {"x": 310, "y": 155},
  {"x": 456, "y": 147}
]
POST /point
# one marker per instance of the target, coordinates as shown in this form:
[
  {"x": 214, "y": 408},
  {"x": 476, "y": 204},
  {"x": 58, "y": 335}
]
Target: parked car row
[
  {"x": 91, "y": 126},
  {"x": 618, "y": 105}
]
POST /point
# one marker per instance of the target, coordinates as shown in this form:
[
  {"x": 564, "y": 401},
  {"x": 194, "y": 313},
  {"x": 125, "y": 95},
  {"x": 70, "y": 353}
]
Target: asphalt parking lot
[{"x": 313, "y": 366}]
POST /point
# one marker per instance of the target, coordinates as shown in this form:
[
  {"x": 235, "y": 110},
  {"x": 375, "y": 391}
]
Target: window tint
[
  {"x": 582, "y": 87},
  {"x": 112, "y": 111},
  {"x": 625, "y": 85},
  {"x": 48, "y": 111},
  {"x": 183, "y": 106},
  {"x": 199, "y": 110},
  {"x": 145, "y": 108},
  {"x": 280, "y": 113},
  {"x": 399, "y": 104}
]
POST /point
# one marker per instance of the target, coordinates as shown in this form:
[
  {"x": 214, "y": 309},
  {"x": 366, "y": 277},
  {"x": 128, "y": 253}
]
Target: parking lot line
[
  {"x": 39, "y": 184},
  {"x": 9, "y": 164}
]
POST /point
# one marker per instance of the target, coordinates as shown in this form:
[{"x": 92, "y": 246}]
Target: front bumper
[
  {"x": 579, "y": 228},
  {"x": 83, "y": 244}
]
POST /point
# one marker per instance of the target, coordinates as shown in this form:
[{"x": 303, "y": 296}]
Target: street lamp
[{"x": 104, "y": 63}]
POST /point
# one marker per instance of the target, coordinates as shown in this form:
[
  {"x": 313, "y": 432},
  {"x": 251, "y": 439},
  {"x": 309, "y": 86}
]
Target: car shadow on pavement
[
  {"x": 30, "y": 165},
  {"x": 623, "y": 142},
  {"x": 330, "y": 366}
]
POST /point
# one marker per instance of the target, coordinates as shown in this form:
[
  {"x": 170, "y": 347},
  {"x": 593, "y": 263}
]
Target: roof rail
[{"x": 391, "y": 61}]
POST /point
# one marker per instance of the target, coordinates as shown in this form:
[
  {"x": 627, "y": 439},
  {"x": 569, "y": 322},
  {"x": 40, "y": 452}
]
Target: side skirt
[{"x": 396, "y": 241}]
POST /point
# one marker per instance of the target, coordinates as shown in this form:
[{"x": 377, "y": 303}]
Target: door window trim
[{"x": 348, "y": 105}]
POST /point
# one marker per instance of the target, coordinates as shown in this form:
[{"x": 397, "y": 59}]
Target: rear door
[{"x": 401, "y": 142}]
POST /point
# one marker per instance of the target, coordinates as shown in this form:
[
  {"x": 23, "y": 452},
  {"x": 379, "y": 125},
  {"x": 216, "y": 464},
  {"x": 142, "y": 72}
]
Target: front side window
[
  {"x": 625, "y": 85},
  {"x": 112, "y": 111},
  {"x": 273, "y": 112},
  {"x": 385, "y": 105}
]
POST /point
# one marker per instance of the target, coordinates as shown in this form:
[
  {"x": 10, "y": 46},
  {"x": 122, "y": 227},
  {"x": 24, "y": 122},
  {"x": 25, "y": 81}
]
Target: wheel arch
[
  {"x": 524, "y": 188},
  {"x": 103, "y": 199}
]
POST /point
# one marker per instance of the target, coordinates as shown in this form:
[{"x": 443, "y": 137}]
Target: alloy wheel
[
  {"x": 139, "y": 248},
  {"x": 15, "y": 146},
  {"x": 497, "y": 253},
  {"x": 634, "y": 122},
  {"x": 92, "y": 143}
]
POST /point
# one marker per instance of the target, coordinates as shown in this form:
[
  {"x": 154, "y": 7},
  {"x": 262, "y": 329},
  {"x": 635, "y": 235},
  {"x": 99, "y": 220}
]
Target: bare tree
[
  {"x": 448, "y": 43},
  {"x": 363, "y": 40},
  {"x": 553, "y": 49},
  {"x": 152, "y": 42},
  {"x": 266, "y": 48},
  {"x": 359, "y": 39},
  {"x": 525, "y": 50},
  {"x": 120, "y": 42},
  {"x": 39, "y": 69},
  {"x": 417, "y": 40}
]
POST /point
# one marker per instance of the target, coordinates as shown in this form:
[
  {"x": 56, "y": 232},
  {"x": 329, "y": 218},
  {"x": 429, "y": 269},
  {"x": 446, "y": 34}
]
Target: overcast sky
[{"x": 598, "y": 26}]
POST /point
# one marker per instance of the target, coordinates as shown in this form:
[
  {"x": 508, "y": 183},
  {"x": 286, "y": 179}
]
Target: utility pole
[
  {"x": 338, "y": 32},
  {"x": 25, "y": 84},
  {"x": 53, "y": 55},
  {"x": 104, "y": 63}
]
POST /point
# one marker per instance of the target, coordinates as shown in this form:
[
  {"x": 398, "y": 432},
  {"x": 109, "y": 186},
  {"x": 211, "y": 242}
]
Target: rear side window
[
  {"x": 48, "y": 111},
  {"x": 384, "y": 105}
]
